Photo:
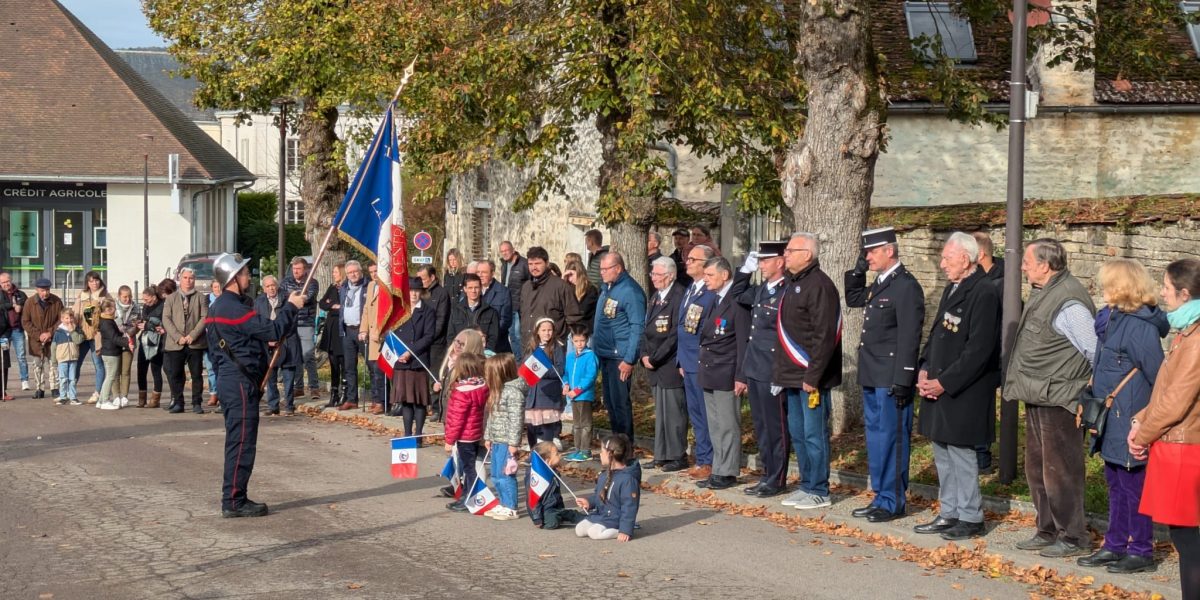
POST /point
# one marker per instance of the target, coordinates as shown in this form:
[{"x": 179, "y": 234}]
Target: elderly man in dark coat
[
  {"x": 658, "y": 352},
  {"x": 960, "y": 371}
]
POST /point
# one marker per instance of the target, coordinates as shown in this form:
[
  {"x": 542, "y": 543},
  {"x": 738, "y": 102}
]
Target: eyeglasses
[
  {"x": 653, "y": 274},
  {"x": 608, "y": 268},
  {"x": 692, "y": 260},
  {"x": 791, "y": 250}
]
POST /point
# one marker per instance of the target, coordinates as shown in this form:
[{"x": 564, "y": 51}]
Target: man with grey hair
[
  {"x": 353, "y": 297},
  {"x": 723, "y": 336},
  {"x": 659, "y": 342},
  {"x": 960, "y": 370},
  {"x": 695, "y": 301},
  {"x": 184, "y": 313},
  {"x": 496, "y": 296},
  {"x": 514, "y": 271},
  {"x": 617, "y": 329},
  {"x": 894, "y": 310},
  {"x": 653, "y": 247},
  {"x": 305, "y": 322},
  {"x": 1049, "y": 365},
  {"x": 809, "y": 364}
]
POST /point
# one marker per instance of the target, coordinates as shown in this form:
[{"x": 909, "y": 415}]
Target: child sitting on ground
[
  {"x": 464, "y": 419},
  {"x": 502, "y": 435},
  {"x": 580, "y": 387},
  {"x": 612, "y": 509},
  {"x": 66, "y": 341},
  {"x": 551, "y": 512}
]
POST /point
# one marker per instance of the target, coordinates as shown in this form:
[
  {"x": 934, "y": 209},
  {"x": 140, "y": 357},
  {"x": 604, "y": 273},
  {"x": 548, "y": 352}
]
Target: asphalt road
[{"x": 125, "y": 504}]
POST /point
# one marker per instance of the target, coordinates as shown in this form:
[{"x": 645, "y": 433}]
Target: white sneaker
[
  {"x": 794, "y": 498},
  {"x": 122, "y": 402},
  {"x": 110, "y": 405},
  {"x": 558, "y": 444},
  {"x": 492, "y": 512},
  {"x": 502, "y": 513},
  {"x": 25, "y": 385},
  {"x": 95, "y": 397},
  {"x": 75, "y": 402},
  {"x": 812, "y": 501}
]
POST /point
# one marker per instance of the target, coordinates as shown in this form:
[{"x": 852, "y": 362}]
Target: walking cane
[{"x": 899, "y": 448}]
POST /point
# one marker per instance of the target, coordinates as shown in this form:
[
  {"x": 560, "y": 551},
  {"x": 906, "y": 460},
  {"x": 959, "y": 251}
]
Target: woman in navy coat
[{"x": 410, "y": 382}]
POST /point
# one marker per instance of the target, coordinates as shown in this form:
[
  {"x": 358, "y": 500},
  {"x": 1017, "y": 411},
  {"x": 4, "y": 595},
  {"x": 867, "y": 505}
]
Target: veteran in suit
[
  {"x": 724, "y": 332},
  {"x": 658, "y": 348}
]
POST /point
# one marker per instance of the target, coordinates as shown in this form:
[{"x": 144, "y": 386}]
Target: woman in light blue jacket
[{"x": 580, "y": 386}]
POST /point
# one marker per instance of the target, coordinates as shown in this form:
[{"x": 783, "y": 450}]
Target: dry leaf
[
  {"x": 668, "y": 579},
  {"x": 45, "y": 596},
  {"x": 355, "y": 586},
  {"x": 547, "y": 556},
  {"x": 622, "y": 574},
  {"x": 958, "y": 586},
  {"x": 703, "y": 523}
]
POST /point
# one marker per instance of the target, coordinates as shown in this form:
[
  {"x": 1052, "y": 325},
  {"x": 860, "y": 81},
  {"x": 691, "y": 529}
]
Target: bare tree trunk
[
  {"x": 322, "y": 183},
  {"x": 829, "y": 173}
]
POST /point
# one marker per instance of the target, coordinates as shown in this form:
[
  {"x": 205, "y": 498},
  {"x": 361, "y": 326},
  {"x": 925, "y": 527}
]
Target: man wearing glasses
[
  {"x": 620, "y": 315},
  {"x": 659, "y": 342},
  {"x": 809, "y": 364}
]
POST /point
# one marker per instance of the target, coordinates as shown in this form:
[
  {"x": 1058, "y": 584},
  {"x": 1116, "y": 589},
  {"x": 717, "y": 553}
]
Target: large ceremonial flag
[
  {"x": 540, "y": 475},
  {"x": 535, "y": 367},
  {"x": 390, "y": 352},
  {"x": 453, "y": 473},
  {"x": 404, "y": 458},
  {"x": 481, "y": 499},
  {"x": 371, "y": 218}
]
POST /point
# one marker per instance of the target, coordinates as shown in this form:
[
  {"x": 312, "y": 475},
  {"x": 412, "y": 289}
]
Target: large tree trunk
[
  {"x": 322, "y": 184},
  {"x": 627, "y": 236},
  {"x": 829, "y": 173}
]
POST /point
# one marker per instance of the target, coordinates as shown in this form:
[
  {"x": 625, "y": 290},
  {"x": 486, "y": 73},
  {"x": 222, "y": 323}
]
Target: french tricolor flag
[
  {"x": 540, "y": 475},
  {"x": 535, "y": 367},
  {"x": 454, "y": 475},
  {"x": 481, "y": 499},
  {"x": 404, "y": 458}
]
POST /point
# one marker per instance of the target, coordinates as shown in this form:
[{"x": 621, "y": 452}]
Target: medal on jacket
[
  {"x": 610, "y": 308},
  {"x": 691, "y": 320},
  {"x": 951, "y": 322},
  {"x": 720, "y": 329},
  {"x": 662, "y": 323}
]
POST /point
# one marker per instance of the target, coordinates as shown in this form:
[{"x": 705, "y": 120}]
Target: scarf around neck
[{"x": 1185, "y": 315}]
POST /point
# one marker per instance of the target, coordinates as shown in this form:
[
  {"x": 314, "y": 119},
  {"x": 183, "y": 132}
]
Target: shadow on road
[
  {"x": 396, "y": 487},
  {"x": 53, "y": 442},
  {"x": 664, "y": 524}
]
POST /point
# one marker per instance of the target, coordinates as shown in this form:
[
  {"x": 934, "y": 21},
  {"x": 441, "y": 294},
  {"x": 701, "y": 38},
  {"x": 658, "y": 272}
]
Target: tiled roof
[
  {"x": 156, "y": 66},
  {"x": 70, "y": 108}
]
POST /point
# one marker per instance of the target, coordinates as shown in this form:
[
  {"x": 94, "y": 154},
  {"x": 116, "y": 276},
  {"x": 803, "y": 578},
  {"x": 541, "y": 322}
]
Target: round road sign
[{"x": 423, "y": 241}]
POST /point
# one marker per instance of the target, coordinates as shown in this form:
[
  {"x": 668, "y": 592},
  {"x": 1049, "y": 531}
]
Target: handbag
[{"x": 1092, "y": 412}]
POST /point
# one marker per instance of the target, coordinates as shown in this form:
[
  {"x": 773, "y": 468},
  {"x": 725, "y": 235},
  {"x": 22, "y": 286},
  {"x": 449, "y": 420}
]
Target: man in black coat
[
  {"x": 725, "y": 329},
  {"x": 659, "y": 343},
  {"x": 514, "y": 271},
  {"x": 993, "y": 272},
  {"x": 894, "y": 310},
  {"x": 960, "y": 371},
  {"x": 768, "y": 404},
  {"x": 473, "y": 313},
  {"x": 496, "y": 296},
  {"x": 439, "y": 300}
]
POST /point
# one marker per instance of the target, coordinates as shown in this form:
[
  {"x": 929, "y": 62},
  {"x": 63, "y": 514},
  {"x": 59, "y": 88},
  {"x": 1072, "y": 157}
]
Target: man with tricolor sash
[{"x": 809, "y": 363}]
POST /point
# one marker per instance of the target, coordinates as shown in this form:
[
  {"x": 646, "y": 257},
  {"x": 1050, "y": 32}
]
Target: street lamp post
[
  {"x": 146, "y": 209},
  {"x": 283, "y": 104}
]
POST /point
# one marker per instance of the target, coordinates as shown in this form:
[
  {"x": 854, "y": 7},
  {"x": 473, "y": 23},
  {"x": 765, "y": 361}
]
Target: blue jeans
[
  {"x": 514, "y": 336},
  {"x": 16, "y": 340},
  {"x": 67, "y": 374},
  {"x": 506, "y": 485},
  {"x": 289, "y": 382},
  {"x": 212, "y": 373},
  {"x": 809, "y": 430},
  {"x": 308, "y": 345},
  {"x": 84, "y": 348},
  {"x": 880, "y": 414}
]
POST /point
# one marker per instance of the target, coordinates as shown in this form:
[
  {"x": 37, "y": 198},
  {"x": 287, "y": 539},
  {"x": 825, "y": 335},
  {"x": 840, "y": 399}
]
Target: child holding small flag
[
  {"x": 502, "y": 436},
  {"x": 580, "y": 387},
  {"x": 465, "y": 416},
  {"x": 549, "y": 512},
  {"x": 543, "y": 369},
  {"x": 612, "y": 509}
]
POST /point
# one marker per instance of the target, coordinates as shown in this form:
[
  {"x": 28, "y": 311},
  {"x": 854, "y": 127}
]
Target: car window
[{"x": 202, "y": 268}]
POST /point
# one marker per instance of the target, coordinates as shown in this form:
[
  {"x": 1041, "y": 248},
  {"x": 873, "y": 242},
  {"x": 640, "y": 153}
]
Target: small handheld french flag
[
  {"x": 454, "y": 475},
  {"x": 390, "y": 352},
  {"x": 404, "y": 458},
  {"x": 540, "y": 475},
  {"x": 535, "y": 367},
  {"x": 481, "y": 499}
]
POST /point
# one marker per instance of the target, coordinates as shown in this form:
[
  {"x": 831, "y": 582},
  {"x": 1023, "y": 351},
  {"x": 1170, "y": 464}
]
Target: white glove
[
  {"x": 775, "y": 389},
  {"x": 751, "y": 264}
]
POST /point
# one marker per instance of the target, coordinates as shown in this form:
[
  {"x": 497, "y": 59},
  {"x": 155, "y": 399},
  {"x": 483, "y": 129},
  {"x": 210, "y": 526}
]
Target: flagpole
[
  {"x": 568, "y": 488},
  {"x": 312, "y": 271}
]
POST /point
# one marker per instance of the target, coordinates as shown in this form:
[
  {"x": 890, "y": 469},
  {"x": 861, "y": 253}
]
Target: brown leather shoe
[
  {"x": 213, "y": 401},
  {"x": 348, "y": 406},
  {"x": 141, "y": 400},
  {"x": 700, "y": 472},
  {"x": 154, "y": 398},
  {"x": 377, "y": 409}
]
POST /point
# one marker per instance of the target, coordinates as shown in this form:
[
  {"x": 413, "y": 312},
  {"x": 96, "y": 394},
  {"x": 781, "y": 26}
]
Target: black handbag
[{"x": 1093, "y": 412}]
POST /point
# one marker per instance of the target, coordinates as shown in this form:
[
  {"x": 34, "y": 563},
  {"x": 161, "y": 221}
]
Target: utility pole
[
  {"x": 146, "y": 208},
  {"x": 283, "y": 104}
]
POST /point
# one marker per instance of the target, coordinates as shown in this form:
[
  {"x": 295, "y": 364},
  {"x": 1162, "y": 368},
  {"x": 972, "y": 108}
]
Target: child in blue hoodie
[
  {"x": 612, "y": 509},
  {"x": 580, "y": 387}
]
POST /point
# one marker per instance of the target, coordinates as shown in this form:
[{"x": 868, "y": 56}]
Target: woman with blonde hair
[
  {"x": 452, "y": 278},
  {"x": 468, "y": 341},
  {"x": 1129, "y": 332},
  {"x": 586, "y": 293}
]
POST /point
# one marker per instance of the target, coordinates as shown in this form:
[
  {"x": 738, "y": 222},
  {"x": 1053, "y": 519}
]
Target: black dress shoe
[
  {"x": 883, "y": 516},
  {"x": 753, "y": 490},
  {"x": 862, "y": 513},
  {"x": 718, "y": 482},
  {"x": 937, "y": 525},
  {"x": 457, "y": 506},
  {"x": 964, "y": 530},
  {"x": 247, "y": 509},
  {"x": 768, "y": 491},
  {"x": 40, "y": 394},
  {"x": 674, "y": 465},
  {"x": 447, "y": 492},
  {"x": 1099, "y": 558},
  {"x": 176, "y": 409},
  {"x": 652, "y": 464},
  {"x": 198, "y": 409},
  {"x": 1133, "y": 564}
]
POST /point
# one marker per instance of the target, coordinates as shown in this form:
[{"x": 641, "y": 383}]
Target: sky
[{"x": 120, "y": 23}]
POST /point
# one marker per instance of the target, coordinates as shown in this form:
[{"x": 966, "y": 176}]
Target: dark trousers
[
  {"x": 174, "y": 362},
  {"x": 769, "y": 412},
  {"x": 698, "y": 415},
  {"x": 545, "y": 432},
  {"x": 467, "y": 453},
  {"x": 336, "y": 383},
  {"x": 1129, "y": 532},
  {"x": 670, "y": 424},
  {"x": 351, "y": 350},
  {"x": 616, "y": 397},
  {"x": 889, "y": 470},
  {"x": 154, "y": 366},
  {"x": 1055, "y": 471},
  {"x": 1187, "y": 544},
  {"x": 239, "y": 401}
]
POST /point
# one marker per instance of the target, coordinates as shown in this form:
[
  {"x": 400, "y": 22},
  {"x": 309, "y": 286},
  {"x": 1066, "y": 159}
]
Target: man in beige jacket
[{"x": 185, "y": 342}]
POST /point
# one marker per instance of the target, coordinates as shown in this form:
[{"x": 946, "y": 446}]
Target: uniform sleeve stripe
[{"x": 237, "y": 321}]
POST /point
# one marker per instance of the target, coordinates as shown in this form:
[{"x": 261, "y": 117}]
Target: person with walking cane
[
  {"x": 240, "y": 336},
  {"x": 894, "y": 310}
]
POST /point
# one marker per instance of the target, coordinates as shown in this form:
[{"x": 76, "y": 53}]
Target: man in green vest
[{"x": 1050, "y": 365}]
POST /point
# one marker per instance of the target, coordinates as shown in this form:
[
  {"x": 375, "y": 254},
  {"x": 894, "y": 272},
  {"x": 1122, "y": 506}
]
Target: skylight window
[
  {"x": 1191, "y": 8},
  {"x": 932, "y": 19}
]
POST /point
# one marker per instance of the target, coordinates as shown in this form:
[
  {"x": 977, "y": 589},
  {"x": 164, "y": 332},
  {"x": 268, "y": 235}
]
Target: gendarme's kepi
[
  {"x": 878, "y": 237},
  {"x": 771, "y": 248}
]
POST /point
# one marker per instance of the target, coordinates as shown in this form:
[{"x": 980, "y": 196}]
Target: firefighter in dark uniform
[
  {"x": 239, "y": 336},
  {"x": 768, "y": 404},
  {"x": 887, "y": 366}
]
